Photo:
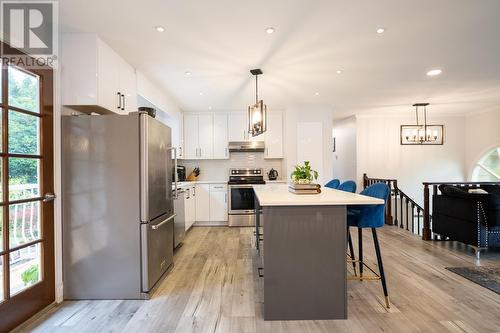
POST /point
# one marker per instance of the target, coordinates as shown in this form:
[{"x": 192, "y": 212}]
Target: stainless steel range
[{"x": 241, "y": 196}]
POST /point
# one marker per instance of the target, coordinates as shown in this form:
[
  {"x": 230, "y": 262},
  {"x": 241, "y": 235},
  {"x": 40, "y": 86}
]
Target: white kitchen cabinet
[
  {"x": 202, "y": 198},
  {"x": 218, "y": 202},
  {"x": 238, "y": 130},
  {"x": 220, "y": 130},
  {"x": 206, "y": 135},
  {"x": 274, "y": 135},
  {"x": 94, "y": 77},
  {"x": 191, "y": 136},
  {"x": 127, "y": 86},
  {"x": 198, "y": 136},
  {"x": 190, "y": 206}
]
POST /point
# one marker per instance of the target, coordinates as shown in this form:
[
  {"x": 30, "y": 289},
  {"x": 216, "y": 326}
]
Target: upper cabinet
[
  {"x": 198, "y": 136},
  {"x": 238, "y": 129},
  {"x": 94, "y": 77},
  {"x": 273, "y": 137},
  {"x": 220, "y": 136}
]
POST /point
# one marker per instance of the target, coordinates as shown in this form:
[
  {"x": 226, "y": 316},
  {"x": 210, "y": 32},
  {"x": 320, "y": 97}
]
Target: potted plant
[{"x": 304, "y": 174}]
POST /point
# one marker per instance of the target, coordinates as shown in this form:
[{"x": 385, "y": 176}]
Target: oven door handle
[{"x": 241, "y": 186}]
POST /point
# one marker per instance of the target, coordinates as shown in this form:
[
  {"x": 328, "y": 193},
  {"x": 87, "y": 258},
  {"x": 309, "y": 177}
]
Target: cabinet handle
[
  {"x": 225, "y": 152},
  {"x": 180, "y": 151},
  {"x": 119, "y": 101},
  {"x": 200, "y": 152},
  {"x": 123, "y": 105},
  {"x": 225, "y": 197}
]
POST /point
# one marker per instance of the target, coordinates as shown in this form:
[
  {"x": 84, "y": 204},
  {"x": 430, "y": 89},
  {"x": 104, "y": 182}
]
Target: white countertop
[
  {"x": 192, "y": 183},
  {"x": 278, "y": 195}
]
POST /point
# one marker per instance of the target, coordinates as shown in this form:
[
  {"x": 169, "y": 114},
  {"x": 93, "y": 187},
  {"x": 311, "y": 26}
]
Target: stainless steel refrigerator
[{"x": 118, "y": 212}]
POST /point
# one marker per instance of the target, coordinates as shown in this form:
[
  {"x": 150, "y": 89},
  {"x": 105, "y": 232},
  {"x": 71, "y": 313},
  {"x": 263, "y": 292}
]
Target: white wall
[
  {"x": 380, "y": 155},
  {"x": 344, "y": 157},
  {"x": 482, "y": 131},
  {"x": 303, "y": 114}
]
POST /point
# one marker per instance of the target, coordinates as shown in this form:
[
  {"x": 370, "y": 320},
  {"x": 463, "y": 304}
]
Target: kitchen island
[{"x": 305, "y": 251}]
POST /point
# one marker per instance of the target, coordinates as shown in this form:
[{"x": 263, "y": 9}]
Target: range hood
[{"x": 246, "y": 146}]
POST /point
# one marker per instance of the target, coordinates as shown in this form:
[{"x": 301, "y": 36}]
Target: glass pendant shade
[{"x": 257, "y": 116}]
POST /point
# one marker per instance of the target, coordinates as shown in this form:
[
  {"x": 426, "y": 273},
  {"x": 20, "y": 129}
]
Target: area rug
[{"x": 485, "y": 276}]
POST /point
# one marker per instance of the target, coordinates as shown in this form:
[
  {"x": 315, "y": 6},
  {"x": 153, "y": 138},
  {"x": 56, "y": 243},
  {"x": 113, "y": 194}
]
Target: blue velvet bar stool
[
  {"x": 349, "y": 186},
  {"x": 373, "y": 217},
  {"x": 334, "y": 183}
]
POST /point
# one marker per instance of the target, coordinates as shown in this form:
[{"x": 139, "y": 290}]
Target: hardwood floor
[{"x": 214, "y": 287}]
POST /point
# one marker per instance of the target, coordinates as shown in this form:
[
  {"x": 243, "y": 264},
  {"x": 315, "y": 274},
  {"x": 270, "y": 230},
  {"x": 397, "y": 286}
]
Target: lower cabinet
[
  {"x": 211, "y": 203},
  {"x": 218, "y": 202},
  {"x": 202, "y": 202},
  {"x": 190, "y": 206}
]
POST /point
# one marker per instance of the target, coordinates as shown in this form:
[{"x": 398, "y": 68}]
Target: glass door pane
[
  {"x": 24, "y": 180},
  {"x": 24, "y": 133},
  {"x": 23, "y": 90},
  {"x": 25, "y": 268},
  {"x": 1, "y": 279},
  {"x": 24, "y": 223}
]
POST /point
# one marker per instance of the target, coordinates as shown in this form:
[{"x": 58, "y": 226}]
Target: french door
[{"x": 26, "y": 185}]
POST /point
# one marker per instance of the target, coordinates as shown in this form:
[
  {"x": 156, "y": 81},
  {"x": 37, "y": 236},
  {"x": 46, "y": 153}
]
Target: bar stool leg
[
  {"x": 351, "y": 250},
  {"x": 380, "y": 267},
  {"x": 360, "y": 252}
]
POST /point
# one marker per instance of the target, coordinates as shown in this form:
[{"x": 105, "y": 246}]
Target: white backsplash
[{"x": 218, "y": 170}]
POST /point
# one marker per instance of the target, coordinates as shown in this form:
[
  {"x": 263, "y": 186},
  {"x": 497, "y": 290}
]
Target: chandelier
[
  {"x": 422, "y": 134},
  {"x": 257, "y": 113}
]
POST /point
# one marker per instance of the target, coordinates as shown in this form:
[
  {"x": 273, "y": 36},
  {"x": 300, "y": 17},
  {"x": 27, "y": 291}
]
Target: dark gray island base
[{"x": 304, "y": 262}]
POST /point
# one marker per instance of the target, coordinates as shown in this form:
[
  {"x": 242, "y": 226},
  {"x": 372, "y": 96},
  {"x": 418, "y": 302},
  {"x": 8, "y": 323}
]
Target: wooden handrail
[{"x": 408, "y": 214}]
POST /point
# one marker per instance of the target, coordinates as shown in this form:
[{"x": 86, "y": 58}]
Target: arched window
[{"x": 488, "y": 167}]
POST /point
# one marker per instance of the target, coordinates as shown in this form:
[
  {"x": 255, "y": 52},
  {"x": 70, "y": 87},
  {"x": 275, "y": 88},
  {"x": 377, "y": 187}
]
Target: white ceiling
[{"x": 219, "y": 41}]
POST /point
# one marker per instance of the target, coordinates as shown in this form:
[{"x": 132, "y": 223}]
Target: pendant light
[
  {"x": 422, "y": 134},
  {"x": 257, "y": 113}
]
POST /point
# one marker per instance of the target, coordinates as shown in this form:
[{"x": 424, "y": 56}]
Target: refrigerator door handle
[
  {"x": 176, "y": 176},
  {"x": 157, "y": 226}
]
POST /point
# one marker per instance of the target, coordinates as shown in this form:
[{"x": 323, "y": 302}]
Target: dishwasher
[{"x": 179, "y": 220}]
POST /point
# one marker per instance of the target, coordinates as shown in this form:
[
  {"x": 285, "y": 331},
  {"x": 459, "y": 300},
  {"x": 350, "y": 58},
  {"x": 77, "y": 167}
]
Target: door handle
[
  {"x": 157, "y": 226},
  {"x": 119, "y": 100},
  {"x": 123, "y": 105},
  {"x": 49, "y": 197}
]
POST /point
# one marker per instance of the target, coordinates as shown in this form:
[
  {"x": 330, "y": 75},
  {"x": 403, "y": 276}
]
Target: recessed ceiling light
[
  {"x": 339, "y": 71},
  {"x": 380, "y": 30},
  {"x": 316, "y": 93},
  {"x": 210, "y": 108},
  {"x": 270, "y": 30},
  {"x": 188, "y": 73},
  {"x": 159, "y": 28},
  {"x": 434, "y": 72},
  {"x": 201, "y": 93}
]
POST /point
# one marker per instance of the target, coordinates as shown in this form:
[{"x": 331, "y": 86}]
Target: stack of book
[{"x": 304, "y": 188}]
